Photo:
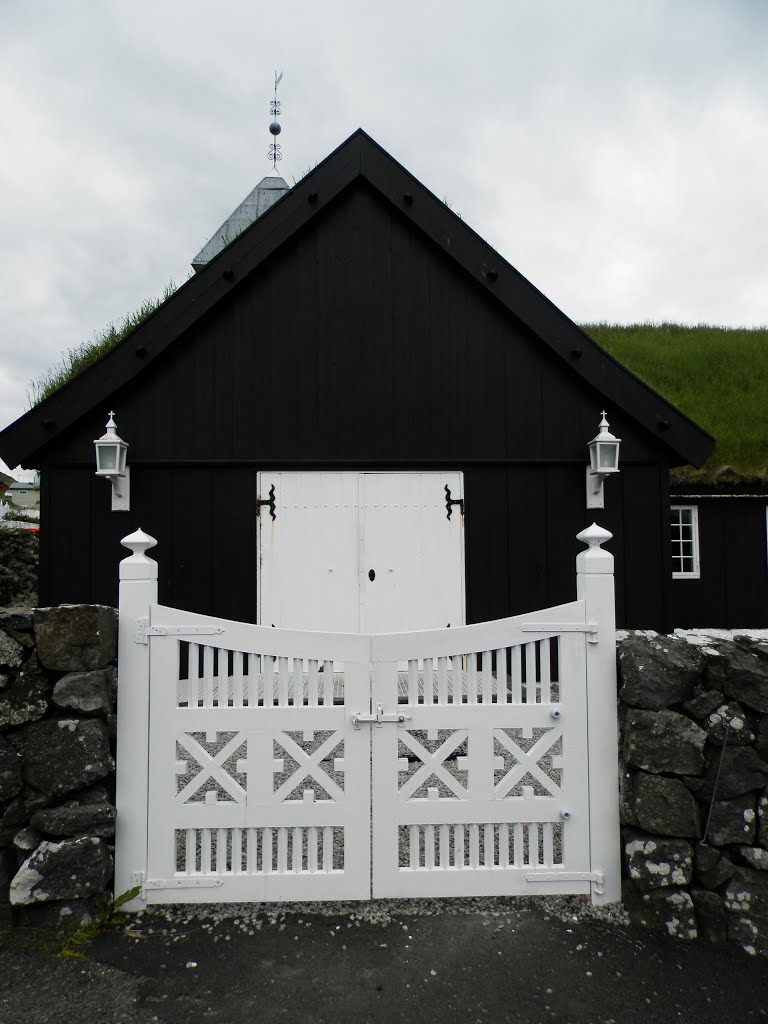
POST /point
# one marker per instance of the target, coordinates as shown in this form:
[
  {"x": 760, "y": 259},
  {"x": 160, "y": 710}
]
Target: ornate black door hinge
[
  {"x": 449, "y": 502},
  {"x": 267, "y": 501}
]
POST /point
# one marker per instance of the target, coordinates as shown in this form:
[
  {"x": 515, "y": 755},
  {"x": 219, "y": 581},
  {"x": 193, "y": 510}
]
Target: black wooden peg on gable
[
  {"x": 267, "y": 501},
  {"x": 450, "y": 502}
]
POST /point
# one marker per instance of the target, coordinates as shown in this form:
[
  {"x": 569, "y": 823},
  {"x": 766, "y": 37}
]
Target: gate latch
[{"x": 379, "y": 718}]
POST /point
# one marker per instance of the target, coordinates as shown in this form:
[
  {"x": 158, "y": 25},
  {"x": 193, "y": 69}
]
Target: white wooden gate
[{"x": 252, "y": 761}]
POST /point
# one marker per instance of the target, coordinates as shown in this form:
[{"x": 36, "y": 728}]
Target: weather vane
[{"x": 274, "y": 128}]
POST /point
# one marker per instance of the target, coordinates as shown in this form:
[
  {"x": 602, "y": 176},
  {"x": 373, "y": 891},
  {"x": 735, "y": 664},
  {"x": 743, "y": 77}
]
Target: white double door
[{"x": 361, "y": 552}]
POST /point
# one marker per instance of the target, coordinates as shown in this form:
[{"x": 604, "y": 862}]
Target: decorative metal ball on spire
[{"x": 274, "y": 128}]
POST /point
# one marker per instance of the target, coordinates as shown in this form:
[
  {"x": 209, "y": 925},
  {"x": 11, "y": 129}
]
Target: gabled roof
[{"x": 359, "y": 158}]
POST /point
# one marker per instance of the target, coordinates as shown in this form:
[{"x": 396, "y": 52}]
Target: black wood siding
[
  {"x": 732, "y": 590},
  {"x": 360, "y": 346}
]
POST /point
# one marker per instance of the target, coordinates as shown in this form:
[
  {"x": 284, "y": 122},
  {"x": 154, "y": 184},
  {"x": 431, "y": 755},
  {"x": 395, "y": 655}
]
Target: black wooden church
[{"x": 357, "y": 344}]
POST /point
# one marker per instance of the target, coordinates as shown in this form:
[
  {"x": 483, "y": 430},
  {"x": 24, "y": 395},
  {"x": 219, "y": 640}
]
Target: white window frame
[{"x": 695, "y": 573}]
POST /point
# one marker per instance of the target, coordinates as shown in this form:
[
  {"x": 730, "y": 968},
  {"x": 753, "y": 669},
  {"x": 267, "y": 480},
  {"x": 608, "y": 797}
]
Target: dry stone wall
[
  {"x": 694, "y": 779},
  {"x": 19, "y": 556},
  {"x": 694, "y": 786},
  {"x": 57, "y": 725}
]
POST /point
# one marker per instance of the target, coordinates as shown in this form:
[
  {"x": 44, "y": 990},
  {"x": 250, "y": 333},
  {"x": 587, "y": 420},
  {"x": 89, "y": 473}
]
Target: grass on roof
[
  {"x": 75, "y": 360},
  {"x": 717, "y": 376}
]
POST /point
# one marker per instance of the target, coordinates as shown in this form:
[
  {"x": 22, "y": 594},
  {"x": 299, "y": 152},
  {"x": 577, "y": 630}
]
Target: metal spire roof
[{"x": 256, "y": 203}]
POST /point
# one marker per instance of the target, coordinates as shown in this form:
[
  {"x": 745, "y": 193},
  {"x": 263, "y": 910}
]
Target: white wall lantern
[
  {"x": 111, "y": 452},
  {"x": 603, "y": 462}
]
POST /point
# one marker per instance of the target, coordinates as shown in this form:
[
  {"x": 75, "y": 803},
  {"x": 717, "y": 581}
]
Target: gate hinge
[
  {"x": 590, "y": 628},
  {"x": 597, "y": 878},
  {"x": 143, "y": 631},
  {"x": 267, "y": 501},
  {"x": 379, "y": 718},
  {"x": 187, "y": 882}
]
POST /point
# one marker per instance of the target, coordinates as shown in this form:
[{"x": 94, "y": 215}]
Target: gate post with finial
[
  {"x": 138, "y": 591},
  {"x": 595, "y": 586}
]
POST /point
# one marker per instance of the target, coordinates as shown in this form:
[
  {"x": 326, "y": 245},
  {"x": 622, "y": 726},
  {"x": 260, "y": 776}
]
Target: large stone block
[
  {"x": 657, "y": 863},
  {"x": 710, "y": 915},
  {"x": 76, "y": 819},
  {"x": 659, "y": 671},
  {"x": 665, "y": 806},
  {"x": 671, "y": 912},
  {"x": 733, "y": 821},
  {"x": 76, "y": 638},
  {"x": 729, "y": 772},
  {"x": 663, "y": 741},
  {"x": 741, "y": 671},
  {"x": 71, "y": 869},
  {"x": 729, "y": 723},
  {"x": 27, "y": 697},
  {"x": 66, "y": 754},
  {"x": 11, "y": 652},
  {"x": 745, "y": 898},
  {"x": 86, "y": 692},
  {"x": 10, "y": 771},
  {"x": 710, "y": 868}
]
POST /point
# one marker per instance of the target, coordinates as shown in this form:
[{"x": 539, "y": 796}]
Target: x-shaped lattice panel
[
  {"x": 433, "y": 764},
  {"x": 527, "y": 762}
]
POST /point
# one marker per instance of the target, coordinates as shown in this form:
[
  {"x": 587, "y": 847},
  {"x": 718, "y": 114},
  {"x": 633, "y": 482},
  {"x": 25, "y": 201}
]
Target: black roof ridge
[{"x": 358, "y": 157}]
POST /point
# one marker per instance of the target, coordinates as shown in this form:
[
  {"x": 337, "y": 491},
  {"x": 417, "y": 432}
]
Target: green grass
[
  {"x": 75, "y": 360},
  {"x": 715, "y": 375}
]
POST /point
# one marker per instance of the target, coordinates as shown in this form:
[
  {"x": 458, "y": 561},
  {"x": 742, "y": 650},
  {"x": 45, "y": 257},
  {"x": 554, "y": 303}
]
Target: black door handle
[{"x": 371, "y": 575}]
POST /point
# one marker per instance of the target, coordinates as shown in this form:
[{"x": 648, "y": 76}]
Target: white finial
[
  {"x": 138, "y": 543},
  {"x": 594, "y": 559}
]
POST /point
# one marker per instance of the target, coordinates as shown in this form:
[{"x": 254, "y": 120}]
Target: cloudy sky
[{"x": 614, "y": 151}]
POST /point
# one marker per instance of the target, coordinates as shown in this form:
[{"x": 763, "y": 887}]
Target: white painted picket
[{"x": 252, "y": 761}]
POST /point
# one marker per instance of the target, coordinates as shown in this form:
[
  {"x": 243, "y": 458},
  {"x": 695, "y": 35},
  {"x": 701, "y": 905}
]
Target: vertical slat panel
[
  {"x": 413, "y": 681},
  {"x": 312, "y": 849},
  {"x": 530, "y": 673},
  {"x": 221, "y": 849},
  {"x": 282, "y": 850},
  {"x": 237, "y": 850},
  {"x": 519, "y": 847},
  {"x": 472, "y": 678},
  {"x": 547, "y": 829},
  {"x": 504, "y": 845},
  {"x": 237, "y": 679},
  {"x": 488, "y": 846},
  {"x": 459, "y": 852},
  {"x": 205, "y": 851},
  {"x": 428, "y": 682},
  {"x": 327, "y": 683},
  {"x": 444, "y": 861},
  {"x": 312, "y": 683},
  {"x": 515, "y": 675},
  {"x": 487, "y": 677},
  {"x": 454, "y": 679},
  {"x": 267, "y": 851},
  {"x": 298, "y": 849},
  {"x": 207, "y": 677},
  {"x": 282, "y": 682},
  {"x": 544, "y": 663},
  {"x": 266, "y": 689},
  {"x": 474, "y": 845},
  {"x": 442, "y": 681},
  {"x": 413, "y": 839},
  {"x": 252, "y": 851},
  {"x": 501, "y": 676},
  {"x": 429, "y": 847},
  {"x": 193, "y": 672},
  {"x": 191, "y": 851},
  {"x": 327, "y": 847}
]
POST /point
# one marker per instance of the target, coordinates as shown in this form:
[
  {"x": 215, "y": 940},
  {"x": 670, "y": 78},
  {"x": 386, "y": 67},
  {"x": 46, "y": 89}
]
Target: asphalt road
[{"x": 474, "y": 966}]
